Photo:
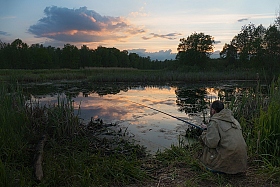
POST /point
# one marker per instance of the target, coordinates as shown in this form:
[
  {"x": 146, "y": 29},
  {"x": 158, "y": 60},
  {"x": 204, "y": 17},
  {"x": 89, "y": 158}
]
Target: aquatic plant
[{"x": 268, "y": 128}]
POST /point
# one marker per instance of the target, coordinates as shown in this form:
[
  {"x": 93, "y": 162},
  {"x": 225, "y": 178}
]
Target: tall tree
[
  {"x": 229, "y": 53},
  {"x": 70, "y": 57},
  {"x": 38, "y": 56},
  {"x": 249, "y": 42},
  {"x": 272, "y": 48},
  {"x": 85, "y": 53},
  {"x": 194, "y": 49},
  {"x": 123, "y": 59},
  {"x": 272, "y": 41},
  {"x": 18, "y": 54},
  {"x": 277, "y": 21},
  {"x": 4, "y": 61}
]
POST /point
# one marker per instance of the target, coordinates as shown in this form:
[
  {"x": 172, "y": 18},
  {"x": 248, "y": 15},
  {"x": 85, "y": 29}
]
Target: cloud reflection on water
[
  {"x": 151, "y": 128},
  {"x": 125, "y": 105}
]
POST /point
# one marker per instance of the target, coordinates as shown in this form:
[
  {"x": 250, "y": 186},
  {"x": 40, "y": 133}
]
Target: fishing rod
[{"x": 193, "y": 125}]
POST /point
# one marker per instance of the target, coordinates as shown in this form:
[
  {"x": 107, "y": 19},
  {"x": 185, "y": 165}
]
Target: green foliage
[
  {"x": 70, "y": 57},
  {"x": 124, "y": 75},
  {"x": 72, "y": 157},
  {"x": 14, "y": 154},
  {"x": 259, "y": 112},
  {"x": 268, "y": 129},
  {"x": 182, "y": 154},
  {"x": 18, "y": 55},
  {"x": 195, "y": 49},
  {"x": 254, "y": 47},
  {"x": 76, "y": 163}
]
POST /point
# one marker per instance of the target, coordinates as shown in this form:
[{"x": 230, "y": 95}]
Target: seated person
[{"x": 224, "y": 148}]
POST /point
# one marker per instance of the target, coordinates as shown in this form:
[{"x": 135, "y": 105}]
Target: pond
[{"x": 147, "y": 113}]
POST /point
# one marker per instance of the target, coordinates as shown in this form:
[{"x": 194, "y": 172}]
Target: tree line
[
  {"x": 18, "y": 55},
  {"x": 255, "y": 47}
]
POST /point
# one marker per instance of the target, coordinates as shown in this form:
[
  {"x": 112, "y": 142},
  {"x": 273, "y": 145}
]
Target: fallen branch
[{"x": 38, "y": 158}]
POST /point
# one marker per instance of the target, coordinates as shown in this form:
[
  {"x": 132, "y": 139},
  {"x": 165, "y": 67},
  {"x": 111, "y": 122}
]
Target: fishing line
[{"x": 168, "y": 115}]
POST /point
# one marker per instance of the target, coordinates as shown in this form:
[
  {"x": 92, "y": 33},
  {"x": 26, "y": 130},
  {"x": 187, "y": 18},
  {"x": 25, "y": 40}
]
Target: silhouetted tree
[
  {"x": 272, "y": 48},
  {"x": 4, "y": 60},
  {"x": 229, "y": 53},
  {"x": 39, "y": 57},
  {"x": 70, "y": 57},
  {"x": 86, "y": 60},
  {"x": 195, "y": 49},
  {"x": 249, "y": 42},
  {"x": 124, "y": 59}
]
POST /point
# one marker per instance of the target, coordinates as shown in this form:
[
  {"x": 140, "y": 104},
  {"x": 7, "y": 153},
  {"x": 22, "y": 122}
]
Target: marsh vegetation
[
  {"x": 69, "y": 153},
  {"x": 75, "y": 154},
  {"x": 126, "y": 75}
]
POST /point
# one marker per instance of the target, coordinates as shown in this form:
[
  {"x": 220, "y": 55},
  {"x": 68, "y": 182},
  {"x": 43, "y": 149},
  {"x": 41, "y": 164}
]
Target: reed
[
  {"x": 268, "y": 128},
  {"x": 259, "y": 114},
  {"x": 75, "y": 157},
  {"x": 14, "y": 153},
  {"x": 123, "y": 75},
  {"x": 72, "y": 156}
]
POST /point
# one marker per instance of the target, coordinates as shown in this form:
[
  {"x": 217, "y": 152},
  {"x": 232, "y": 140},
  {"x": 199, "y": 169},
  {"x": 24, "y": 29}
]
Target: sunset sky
[{"x": 151, "y": 27}]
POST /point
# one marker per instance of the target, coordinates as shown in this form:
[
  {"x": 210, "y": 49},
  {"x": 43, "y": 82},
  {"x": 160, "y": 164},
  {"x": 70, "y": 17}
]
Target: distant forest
[{"x": 255, "y": 47}]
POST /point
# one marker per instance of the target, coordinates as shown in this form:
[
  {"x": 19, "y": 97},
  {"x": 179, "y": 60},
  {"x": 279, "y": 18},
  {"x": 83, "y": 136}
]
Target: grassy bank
[
  {"x": 75, "y": 155},
  {"x": 125, "y": 75}
]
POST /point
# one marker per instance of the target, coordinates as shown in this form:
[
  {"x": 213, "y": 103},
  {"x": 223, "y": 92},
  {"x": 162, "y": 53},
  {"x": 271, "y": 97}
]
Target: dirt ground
[{"x": 181, "y": 176}]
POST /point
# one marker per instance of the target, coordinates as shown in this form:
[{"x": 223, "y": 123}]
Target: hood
[{"x": 227, "y": 116}]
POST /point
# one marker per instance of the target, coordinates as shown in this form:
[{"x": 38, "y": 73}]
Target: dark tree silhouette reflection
[{"x": 191, "y": 100}]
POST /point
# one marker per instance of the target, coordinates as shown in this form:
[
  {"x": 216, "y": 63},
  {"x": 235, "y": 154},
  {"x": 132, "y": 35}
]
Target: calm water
[{"x": 125, "y": 105}]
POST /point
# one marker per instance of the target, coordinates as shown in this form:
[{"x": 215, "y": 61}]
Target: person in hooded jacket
[{"x": 224, "y": 148}]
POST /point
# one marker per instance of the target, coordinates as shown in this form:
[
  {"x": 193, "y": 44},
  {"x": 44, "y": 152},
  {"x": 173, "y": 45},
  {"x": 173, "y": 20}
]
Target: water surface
[{"x": 131, "y": 107}]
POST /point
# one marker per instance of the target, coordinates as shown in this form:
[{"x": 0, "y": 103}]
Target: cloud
[
  {"x": 160, "y": 55},
  {"x": 256, "y": 16},
  {"x": 243, "y": 19},
  {"x": 170, "y": 36},
  {"x": 4, "y": 33},
  {"x": 138, "y": 14},
  {"x": 82, "y": 25}
]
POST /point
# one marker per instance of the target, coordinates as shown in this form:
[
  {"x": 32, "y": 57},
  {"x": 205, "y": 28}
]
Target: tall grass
[
  {"x": 259, "y": 114},
  {"x": 55, "y": 120},
  {"x": 72, "y": 156},
  {"x": 14, "y": 154},
  {"x": 122, "y": 75},
  {"x": 268, "y": 127}
]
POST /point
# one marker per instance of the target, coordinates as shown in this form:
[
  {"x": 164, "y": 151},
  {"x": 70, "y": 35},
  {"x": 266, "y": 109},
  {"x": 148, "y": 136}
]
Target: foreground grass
[
  {"x": 74, "y": 156},
  {"x": 259, "y": 114},
  {"x": 179, "y": 166}
]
